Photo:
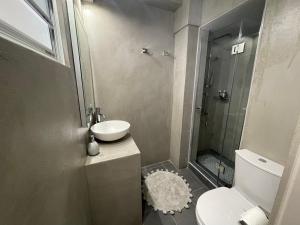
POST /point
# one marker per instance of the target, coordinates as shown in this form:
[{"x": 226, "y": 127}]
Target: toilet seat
[{"x": 221, "y": 206}]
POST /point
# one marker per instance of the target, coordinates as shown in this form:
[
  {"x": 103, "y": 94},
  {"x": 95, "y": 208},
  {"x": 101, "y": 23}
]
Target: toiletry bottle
[{"x": 93, "y": 147}]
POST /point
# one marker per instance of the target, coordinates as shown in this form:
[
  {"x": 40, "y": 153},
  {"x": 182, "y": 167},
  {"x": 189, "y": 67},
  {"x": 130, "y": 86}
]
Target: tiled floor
[{"x": 187, "y": 216}]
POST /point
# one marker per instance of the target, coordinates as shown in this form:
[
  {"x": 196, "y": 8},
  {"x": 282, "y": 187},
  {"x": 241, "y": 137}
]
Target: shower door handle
[{"x": 198, "y": 109}]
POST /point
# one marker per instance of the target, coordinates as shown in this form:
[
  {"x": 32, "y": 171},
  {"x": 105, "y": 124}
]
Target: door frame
[{"x": 238, "y": 13}]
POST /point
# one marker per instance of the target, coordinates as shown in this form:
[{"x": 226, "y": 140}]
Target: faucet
[
  {"x": 90, "y": 113},
  {"x": 98, "y": 115}
]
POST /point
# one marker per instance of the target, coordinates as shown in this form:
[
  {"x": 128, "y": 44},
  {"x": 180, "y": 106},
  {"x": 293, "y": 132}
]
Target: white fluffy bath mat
[{"x": 166, "y": 191}]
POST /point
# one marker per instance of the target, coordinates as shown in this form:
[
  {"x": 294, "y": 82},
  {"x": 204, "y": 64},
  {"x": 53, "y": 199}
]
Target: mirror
[{"x": 82, "y": 63}]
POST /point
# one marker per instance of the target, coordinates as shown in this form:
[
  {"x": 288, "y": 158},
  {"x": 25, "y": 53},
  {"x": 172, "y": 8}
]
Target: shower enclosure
[{"x": 222, "y": 99}]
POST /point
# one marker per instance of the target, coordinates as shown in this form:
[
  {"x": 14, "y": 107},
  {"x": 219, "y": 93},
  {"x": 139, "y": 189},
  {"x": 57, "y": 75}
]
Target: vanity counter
[{"x": 114, "y": 150}]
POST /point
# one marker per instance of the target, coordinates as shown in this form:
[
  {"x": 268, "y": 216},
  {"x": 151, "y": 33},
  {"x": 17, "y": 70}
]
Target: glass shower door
[
  {"x": 225, "y": 95},
  {"x": 239, "y": 95}
]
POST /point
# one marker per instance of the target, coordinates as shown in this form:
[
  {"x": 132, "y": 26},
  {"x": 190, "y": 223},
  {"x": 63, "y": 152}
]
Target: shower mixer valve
[{"x": 223, "y": 95}]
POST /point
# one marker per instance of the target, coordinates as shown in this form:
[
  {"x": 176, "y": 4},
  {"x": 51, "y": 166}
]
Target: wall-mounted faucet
[
  {"x": 94, "y": 116},
  {"x": 89, "y": 117},
  {"x": 99, "y": 115}
]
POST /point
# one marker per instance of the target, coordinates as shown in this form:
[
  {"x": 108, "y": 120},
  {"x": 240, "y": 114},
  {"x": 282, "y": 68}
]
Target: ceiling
[{"x": 170, "y": 5}]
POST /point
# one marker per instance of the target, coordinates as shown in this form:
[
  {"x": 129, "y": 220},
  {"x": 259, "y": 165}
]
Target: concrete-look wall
[
  {"x": 181, "y": 40},
  {"x": 286, "y": 207},
  {"x": 184, "y": 71},
  {"x": 188, "y": 14},
  {"x": 186, "y": 36},
  {"x": 212, "y": 9},
  {"x": 42, "y": 148},
  {"x": 289, "y": 210},
  {"x": 274, "y": 105},
  {"x": 130, "y": 85}
]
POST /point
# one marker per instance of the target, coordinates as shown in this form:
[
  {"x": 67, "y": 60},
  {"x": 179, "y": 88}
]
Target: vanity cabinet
[{"x": 114, "y": 183}]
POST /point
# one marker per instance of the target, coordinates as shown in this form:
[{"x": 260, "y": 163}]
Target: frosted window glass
[
  {"x": 43, "y": 5},
  {"x": 19, "y": 15}
]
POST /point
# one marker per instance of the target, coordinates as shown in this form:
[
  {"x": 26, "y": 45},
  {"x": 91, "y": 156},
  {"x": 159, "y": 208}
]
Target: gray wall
[
  {"x": 212, "y": 9},
  {"x": 188, "y": 14},
  {"x": 129, "y": 85},
  {"x": 186, "y": 36},
  {"x": 42, "y": 150},
  {"x": 181, "y": 40},
  {"x": 286, "y": 207},
  {"x": 274, "y": 104},
  {"x": 184, "y": 71}
]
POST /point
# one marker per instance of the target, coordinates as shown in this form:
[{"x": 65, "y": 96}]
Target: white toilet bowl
[
  {"x": 221, "y": 206},
  {"x": 256, "y": 183}
]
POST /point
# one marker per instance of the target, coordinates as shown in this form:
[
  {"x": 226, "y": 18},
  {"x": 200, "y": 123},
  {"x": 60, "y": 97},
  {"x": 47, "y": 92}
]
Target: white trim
[
  {"x": 17, "y": 37},
  {"x": 23, "y": 43},
  {"x": 60, "y": 56},
  {"x": 76, "y": 58}
]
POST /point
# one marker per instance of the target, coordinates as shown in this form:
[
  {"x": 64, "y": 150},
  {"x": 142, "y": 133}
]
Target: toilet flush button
[{"x": 262, "y": 160}]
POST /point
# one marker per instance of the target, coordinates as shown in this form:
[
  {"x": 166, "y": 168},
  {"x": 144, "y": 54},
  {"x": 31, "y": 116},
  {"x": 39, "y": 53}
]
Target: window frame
[
  {"x": 49, "y": 20},
  {"x": 9, "y": 32}
]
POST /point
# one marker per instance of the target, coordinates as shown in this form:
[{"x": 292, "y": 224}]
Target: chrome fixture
[
  {"x": 99, "y": 115},
  {"x": 89, "y": 117},
  {"x": 145, "y": 51},
  {"x": 223, "y": 95},
  {"x": 165, "y": 53}
]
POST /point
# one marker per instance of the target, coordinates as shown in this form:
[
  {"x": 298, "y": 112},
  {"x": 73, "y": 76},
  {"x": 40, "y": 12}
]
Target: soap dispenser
[{"x": 93, "y": 147}]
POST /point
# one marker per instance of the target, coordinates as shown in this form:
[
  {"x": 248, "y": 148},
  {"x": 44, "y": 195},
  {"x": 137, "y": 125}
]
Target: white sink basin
[{"x": 111, "y": 130}]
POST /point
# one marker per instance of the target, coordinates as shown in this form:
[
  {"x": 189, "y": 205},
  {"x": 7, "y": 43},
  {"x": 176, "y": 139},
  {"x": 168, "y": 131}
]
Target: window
[{"x": 30, "y": 22}]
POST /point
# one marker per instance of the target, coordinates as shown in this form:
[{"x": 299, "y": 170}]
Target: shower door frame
[{"x": 200, "y": 72}]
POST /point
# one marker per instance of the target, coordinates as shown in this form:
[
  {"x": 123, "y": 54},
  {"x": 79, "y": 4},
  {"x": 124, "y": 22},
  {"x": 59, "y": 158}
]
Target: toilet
[{"x": 256, "y": 183}]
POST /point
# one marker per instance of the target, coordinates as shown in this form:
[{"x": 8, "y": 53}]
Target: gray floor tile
[
  {"x": 152, "y": 167},
  {"x": 186, "y": 217},
  {"x": 144, "y": 172},
  {"x": 192, "y": 179},
  {"x": 152, "y": 217},
  {"x": 197, "y": 193},
  {"x": 169, "y": 166}
]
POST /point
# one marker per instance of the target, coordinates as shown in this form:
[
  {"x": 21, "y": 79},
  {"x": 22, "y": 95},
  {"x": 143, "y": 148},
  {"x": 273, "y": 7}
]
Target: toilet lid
[{"x": 221, "y": 206}]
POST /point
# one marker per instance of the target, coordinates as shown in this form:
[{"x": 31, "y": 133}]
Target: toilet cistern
[{"x": 256, "y": 183}]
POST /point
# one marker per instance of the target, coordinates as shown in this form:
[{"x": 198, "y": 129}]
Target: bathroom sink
[{"x": 111, "y": 130}]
